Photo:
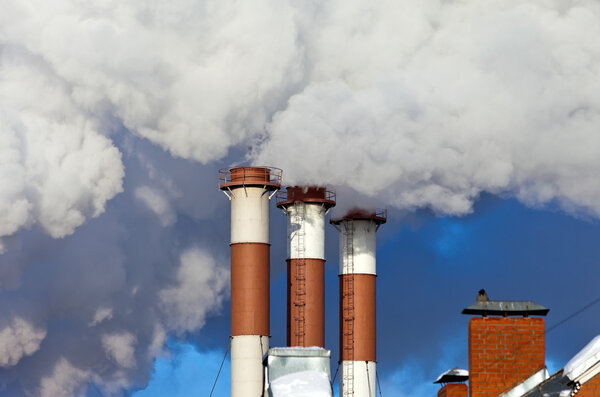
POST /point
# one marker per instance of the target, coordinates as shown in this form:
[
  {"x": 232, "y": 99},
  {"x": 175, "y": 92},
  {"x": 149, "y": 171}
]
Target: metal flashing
[
  {"x": 527, "y": 385},
  {"x": 556, "y": 385},
  {"x": 506, "y": 308}
]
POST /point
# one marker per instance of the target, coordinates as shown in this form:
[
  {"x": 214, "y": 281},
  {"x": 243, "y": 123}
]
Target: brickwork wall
[
  {"x": 591, "y": 388},
  {"x": 454, "y": 390},
  {"x": 503, "y": 351}
]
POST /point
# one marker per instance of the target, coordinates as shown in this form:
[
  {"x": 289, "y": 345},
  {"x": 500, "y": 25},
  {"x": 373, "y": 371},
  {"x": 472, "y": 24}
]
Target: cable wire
[
  {"x": 369, "y": 379},
  {"x": 220, "y": 368},
  {"x": 574, "y": 314},
  {"x": 336, "y": 372},
  {"x": 378, "y": 384}
]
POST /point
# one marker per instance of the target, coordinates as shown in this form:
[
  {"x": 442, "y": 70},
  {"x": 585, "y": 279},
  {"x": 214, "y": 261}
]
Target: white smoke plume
[
  {"x": 428, "y": 104},
  {"x": 56, "y": 168},
  {"x": 403, "y": 104}
]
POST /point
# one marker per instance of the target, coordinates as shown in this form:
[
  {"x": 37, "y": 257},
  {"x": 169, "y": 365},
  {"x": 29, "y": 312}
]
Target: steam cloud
[{"x": 403, "y": 104}]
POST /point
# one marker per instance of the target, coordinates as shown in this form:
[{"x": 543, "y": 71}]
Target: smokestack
[
  {"x": 249, "y": 190},
  {"x": 306, "y": 208},
  {"x": 357, "y": 275}
]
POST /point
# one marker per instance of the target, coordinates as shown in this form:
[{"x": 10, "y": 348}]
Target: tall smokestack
[
  {"x": 357, "y": 275},
  {"x": 249, "y": 190},
  {"x": 306, "y": 208}
]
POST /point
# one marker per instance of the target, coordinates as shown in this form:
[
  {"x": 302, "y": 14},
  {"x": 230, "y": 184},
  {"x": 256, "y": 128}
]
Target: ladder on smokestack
[
  {"x": 348, "y": 310},
  {"x": 300, "y": 302}
]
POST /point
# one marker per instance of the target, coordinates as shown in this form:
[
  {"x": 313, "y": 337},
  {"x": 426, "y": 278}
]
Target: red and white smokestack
[
  {"x": 357, "y": 274},
  {"x": 249, "y": 190},
  {"x": 306, "y": 208}
]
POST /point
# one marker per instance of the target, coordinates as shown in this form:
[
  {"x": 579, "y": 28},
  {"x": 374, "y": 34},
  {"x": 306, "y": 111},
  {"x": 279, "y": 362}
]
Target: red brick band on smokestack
[
  {"x": 364, "y": 346},
  {"x": 314, "y": 309},
  {"x": 306, "y": 207},
  {"x": 249, "y": 289}
]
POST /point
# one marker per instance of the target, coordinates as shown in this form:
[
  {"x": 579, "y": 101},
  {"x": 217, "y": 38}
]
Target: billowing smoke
[
  {"x": 110, "y": 233},
  {"x": 428, "y": 104}
]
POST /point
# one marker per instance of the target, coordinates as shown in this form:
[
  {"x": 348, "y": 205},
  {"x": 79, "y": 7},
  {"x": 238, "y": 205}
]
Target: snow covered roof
[
  {"x": 298, "y": 372},
  {"x": 301, "y": 384},
  {"x": 586, "y": 364}
]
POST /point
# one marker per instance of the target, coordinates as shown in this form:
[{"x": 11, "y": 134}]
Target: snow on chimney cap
[{"x": 453, "y": 375}]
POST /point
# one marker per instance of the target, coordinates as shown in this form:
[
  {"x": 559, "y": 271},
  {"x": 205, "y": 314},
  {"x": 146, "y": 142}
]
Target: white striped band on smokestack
[
  {"x": 249, "y": 190},
  {"x": 306, "y": 208},
  {"x": 357, "y": 276}
]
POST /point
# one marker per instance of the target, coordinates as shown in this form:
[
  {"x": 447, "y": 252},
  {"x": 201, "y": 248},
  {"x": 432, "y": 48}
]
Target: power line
[{"x": 574, "y": 314}]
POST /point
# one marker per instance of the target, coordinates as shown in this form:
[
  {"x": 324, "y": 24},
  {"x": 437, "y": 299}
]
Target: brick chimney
[
  {"x": 454, "y": 390},
  {"x": 452, "y": 383},
  {"x": 503, "y": 350}
]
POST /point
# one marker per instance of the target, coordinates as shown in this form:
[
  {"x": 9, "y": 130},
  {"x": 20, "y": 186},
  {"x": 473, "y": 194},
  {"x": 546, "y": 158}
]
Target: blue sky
[{"x": 429, "y": 269}]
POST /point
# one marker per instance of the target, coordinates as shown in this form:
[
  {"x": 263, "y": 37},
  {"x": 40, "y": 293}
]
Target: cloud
[
  {"x": 157, "y": 203},
  {"x": 102, "y": 313},
  {"x": 65, "y": 381},
  {"x": 17, "y": 340},
  {"x": 200, "y": 286},
  {"x": 120, "y": 346}
]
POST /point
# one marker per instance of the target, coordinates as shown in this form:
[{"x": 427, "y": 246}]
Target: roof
[
  {"x": 506, "y": 308},
  {"x": 585, "y": 364}
]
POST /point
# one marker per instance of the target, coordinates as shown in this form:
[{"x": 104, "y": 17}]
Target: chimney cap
[
  {"x": 306, "y": 194},
  {"x": 454, "y": 375},
  {"x": 259, "y": 176},
  {"x": 506, "y": 308},
  {"x": 378, "y": 216}
]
